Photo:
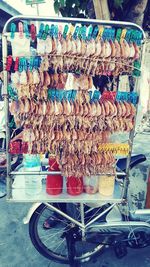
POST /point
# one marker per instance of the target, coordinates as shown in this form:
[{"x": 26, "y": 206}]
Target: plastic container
[
  {"x": 74, "y": 185},
  {"x": 33, "y": 183},
  {"x": 90, "y": 184},
  {"x": 54, "y": 184},
  {"x": 106, "y": 185}
]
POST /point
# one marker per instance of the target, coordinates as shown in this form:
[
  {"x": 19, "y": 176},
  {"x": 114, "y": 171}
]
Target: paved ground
[{"x": 16, "y": 249}]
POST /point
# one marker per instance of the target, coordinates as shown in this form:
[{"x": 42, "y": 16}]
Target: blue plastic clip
[
  {"x": 13, "y": 30},
  {"x": 95, "y": 32},
  {"x": 36, "y": 63},
  {"x": 20, "y": 69},
  {"x": 75, "y": 34},
  {"x": 41, "y": 31},
  {"x": 26, "y": 30},
  {"x": 96, "y": 96},
  {"x": 56, "y": 31},
  {"x": 53, "y": 94},
  {"x": 73, "y": 95},
  {"x": 24, "y": 64},
  {"x": 90, "y": 33},
  {"x": 65, "y": 31}
]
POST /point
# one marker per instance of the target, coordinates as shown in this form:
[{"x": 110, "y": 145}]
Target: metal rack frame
[{"x": 6, "y": 100}]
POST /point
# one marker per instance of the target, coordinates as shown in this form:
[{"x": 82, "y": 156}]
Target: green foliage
[
  {"x": 71, "y": 8},
  {"x": 56, "y": 6},
  {"x": 118, "y": 3}
]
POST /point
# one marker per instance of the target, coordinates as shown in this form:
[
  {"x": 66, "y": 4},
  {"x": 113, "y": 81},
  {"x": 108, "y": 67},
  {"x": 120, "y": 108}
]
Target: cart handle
[{"x": 74, "y": 20}]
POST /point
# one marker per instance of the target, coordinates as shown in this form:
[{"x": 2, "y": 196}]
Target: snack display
[{"x": 59, "y": 107}]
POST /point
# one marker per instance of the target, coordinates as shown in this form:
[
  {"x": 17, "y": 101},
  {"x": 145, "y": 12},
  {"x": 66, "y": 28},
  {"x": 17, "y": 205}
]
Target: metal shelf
[{"x": 20, "y": 195}]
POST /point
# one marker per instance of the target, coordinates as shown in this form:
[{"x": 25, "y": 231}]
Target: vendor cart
[{"x": 64, "y": 114}]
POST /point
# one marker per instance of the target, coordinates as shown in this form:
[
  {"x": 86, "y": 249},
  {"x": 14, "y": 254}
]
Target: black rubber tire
[{"x": 44, "y": 251}]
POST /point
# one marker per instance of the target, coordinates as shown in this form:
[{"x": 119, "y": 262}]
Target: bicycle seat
[{"x": 121, "y": 163}]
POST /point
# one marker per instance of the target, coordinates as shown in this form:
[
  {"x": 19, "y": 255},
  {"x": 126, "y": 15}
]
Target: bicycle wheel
[{"x": 52, "y": 243}]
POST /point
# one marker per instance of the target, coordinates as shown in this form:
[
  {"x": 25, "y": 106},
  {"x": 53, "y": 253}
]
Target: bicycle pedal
[{"x": 120, "y": 250}]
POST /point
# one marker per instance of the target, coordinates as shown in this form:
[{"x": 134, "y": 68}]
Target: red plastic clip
[
  {"x": 108, "y": 95},
  {"x": 20, "y": 29},
  {"x": 33, "y": 32},
  {"x": 9, "y": 63},
  {"x": 16, "y": 64}
]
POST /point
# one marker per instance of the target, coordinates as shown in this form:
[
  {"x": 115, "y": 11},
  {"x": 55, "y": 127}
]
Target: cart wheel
[
  {"x": 2, "y": 189},
  {"x": 52, "y": 243}
]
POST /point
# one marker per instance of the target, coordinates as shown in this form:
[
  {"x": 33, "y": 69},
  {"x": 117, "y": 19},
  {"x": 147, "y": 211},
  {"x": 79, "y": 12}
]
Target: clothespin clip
[
  {"x": 73, "y": 95},
  {"x": 46, "y": 31},
  {"x": 123, "y": 34},
  {"x": 36, "y": 63},
  {"x": 65, "y": 31},
  {"x": 71, "y": 30},
  {"x": 33, "y": 32},
  {"x": 31, "y": 63},
  {"x": 26, "y": 30},
  {"x": 95, "y": 32},
  {"x": 140, "y": 36},
  {"x": 39, "y": 61},
  {"x": 51, "y": 30},
  {"x": 20, "y": 29},
  {"x": 75, "y": 34},
  {"x": 16, "y": 64},
  {"x": 90, "y": 33},
  {"x": 9, "y": 63},
  {"x": 105, "y": 34},
  {"x": 24, "y": 64},
  {"x": 96, "y": 95},
  {"x": 12, "y": 30},
  {"x": 41, "y": 31},
  {"x": 118, "y": 34},
  {"x": 20, "y": 68},
  {"x": 128, "y": 34},
  {"x": 60, "y": 32},
  {"x": 113, "y": 31},
  {"x": 56, "y": 31},
  {"x": 53, "y": 94},
  {"x": 100, "y": 33}
]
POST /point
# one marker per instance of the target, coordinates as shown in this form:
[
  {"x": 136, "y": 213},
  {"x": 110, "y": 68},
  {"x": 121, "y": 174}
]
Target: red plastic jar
[
  {"x": 54, "y": 184},
  {"x": 74, "y": 185},
  {"x": 53, "y": 165}
]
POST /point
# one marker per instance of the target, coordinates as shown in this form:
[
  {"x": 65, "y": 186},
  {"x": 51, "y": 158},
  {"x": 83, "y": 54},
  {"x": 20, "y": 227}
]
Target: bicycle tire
[{"x": 49, "y": 254}]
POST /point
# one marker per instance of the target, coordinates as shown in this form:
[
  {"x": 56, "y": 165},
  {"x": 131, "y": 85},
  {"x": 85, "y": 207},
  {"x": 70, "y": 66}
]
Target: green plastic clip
[{"x": 65, "y": 31}]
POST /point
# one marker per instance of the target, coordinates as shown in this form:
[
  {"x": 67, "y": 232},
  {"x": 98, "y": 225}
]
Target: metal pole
[
  {"x": 82, "y": 219},
  {"x": 6, "y": 107},
  {"x": 65, "y": 215},
  {"x": 100, "y": 215},
  {"x": 131, "y": 136},
  {"x": 37, "y": 9}
]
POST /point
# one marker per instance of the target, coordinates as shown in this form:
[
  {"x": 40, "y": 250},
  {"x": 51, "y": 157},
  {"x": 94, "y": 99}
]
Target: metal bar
[
  {"x": 75, "y": 20},
  {"x": 100, "y": 215},
  {"x": 6, "y": 108},
  {"x": 65, "y": 215},
  {"x": 35, "y": 172},
  {"x": 82, "y": 218},
  {"x": 131, "y": 136},
  {"x": 54, "y": 173}
]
